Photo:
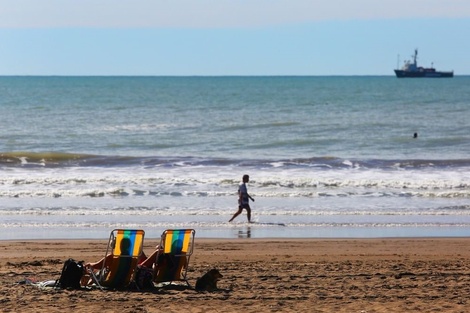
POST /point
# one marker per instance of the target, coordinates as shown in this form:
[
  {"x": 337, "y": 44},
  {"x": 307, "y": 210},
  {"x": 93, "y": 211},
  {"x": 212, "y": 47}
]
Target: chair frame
[
  {"x": 100, "y": 279},
  {"x": 167, "y": 242}
]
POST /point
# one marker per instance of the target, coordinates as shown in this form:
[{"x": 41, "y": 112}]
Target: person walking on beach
[{"x": 243, "y": 199}]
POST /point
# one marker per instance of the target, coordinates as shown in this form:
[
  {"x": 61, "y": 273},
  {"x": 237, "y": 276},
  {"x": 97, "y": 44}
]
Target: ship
[{"x": 411, "y": 69}]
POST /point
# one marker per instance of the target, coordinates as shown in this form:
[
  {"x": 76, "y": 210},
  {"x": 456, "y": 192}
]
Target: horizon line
[{"x": 195, "y": 76}]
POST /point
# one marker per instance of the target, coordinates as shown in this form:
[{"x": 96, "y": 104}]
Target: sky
[{"x": 231, "y": 37}]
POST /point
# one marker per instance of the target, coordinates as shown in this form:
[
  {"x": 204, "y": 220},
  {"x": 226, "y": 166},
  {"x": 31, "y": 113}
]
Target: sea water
[{"x": 327, "y": 156}]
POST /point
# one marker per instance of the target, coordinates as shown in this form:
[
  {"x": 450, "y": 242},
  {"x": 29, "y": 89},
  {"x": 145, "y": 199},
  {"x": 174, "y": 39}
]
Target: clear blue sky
[{"x": 231, "y": 37}]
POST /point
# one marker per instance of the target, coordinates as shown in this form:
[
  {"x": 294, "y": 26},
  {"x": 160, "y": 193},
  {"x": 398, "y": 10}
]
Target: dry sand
[{"x": 293, "y": 275}]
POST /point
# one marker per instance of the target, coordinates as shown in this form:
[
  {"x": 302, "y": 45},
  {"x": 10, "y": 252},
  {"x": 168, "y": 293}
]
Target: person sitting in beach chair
[
  {"x": 117, "y": 268},
  {"x": 173, "y": 259}
]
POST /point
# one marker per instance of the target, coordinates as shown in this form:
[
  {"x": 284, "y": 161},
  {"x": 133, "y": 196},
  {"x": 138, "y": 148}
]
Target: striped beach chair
[
  {"x": 173, "y": 260},
  {"x": 121, "y": 258}
]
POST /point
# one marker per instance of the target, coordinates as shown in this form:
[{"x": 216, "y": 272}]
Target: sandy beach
[{"x": 285, "y": 275}]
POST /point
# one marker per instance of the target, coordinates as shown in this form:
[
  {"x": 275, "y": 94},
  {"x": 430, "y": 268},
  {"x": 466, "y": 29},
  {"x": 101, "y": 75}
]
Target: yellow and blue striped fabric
[{"x": 177, "y": 241}]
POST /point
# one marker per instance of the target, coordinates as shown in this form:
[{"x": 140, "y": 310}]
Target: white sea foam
[{"x": 218, "y": 176}]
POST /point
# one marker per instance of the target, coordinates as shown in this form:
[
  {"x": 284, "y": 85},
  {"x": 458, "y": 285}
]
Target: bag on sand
[
  {"x": 71, "y": 275},
  {"x": 144, "y": 278}
]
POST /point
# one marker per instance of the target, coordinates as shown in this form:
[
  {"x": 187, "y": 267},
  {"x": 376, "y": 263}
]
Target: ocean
[{"x": 328, "y": 157}]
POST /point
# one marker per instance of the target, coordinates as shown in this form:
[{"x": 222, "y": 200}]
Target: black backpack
[
  {"x": 71, "y": 275},
  {"x": 144, "y": 278}
]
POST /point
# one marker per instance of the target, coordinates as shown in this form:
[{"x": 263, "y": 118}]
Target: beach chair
[
  {"x": 122, "y": 256},
  {"x": 172, "y": 261}
]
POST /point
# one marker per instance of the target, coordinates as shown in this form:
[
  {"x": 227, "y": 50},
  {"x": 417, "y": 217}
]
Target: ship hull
[{"x": 420, "y": 74}]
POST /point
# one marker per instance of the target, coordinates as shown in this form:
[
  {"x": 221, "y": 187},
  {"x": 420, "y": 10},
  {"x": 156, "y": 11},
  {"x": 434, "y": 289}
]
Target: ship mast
[{"x": 415, "y": 57}]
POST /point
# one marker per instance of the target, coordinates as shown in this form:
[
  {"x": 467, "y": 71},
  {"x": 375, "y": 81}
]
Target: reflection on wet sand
[{"x": 245, "y": 234}]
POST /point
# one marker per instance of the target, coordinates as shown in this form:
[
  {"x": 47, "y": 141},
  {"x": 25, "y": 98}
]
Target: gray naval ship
[{"x": 411, "y": 69}]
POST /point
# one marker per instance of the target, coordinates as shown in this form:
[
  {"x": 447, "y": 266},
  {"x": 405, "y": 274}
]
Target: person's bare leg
[
  {"x": 236, "y": 214},
  {"x": 248, "y": 213}
]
